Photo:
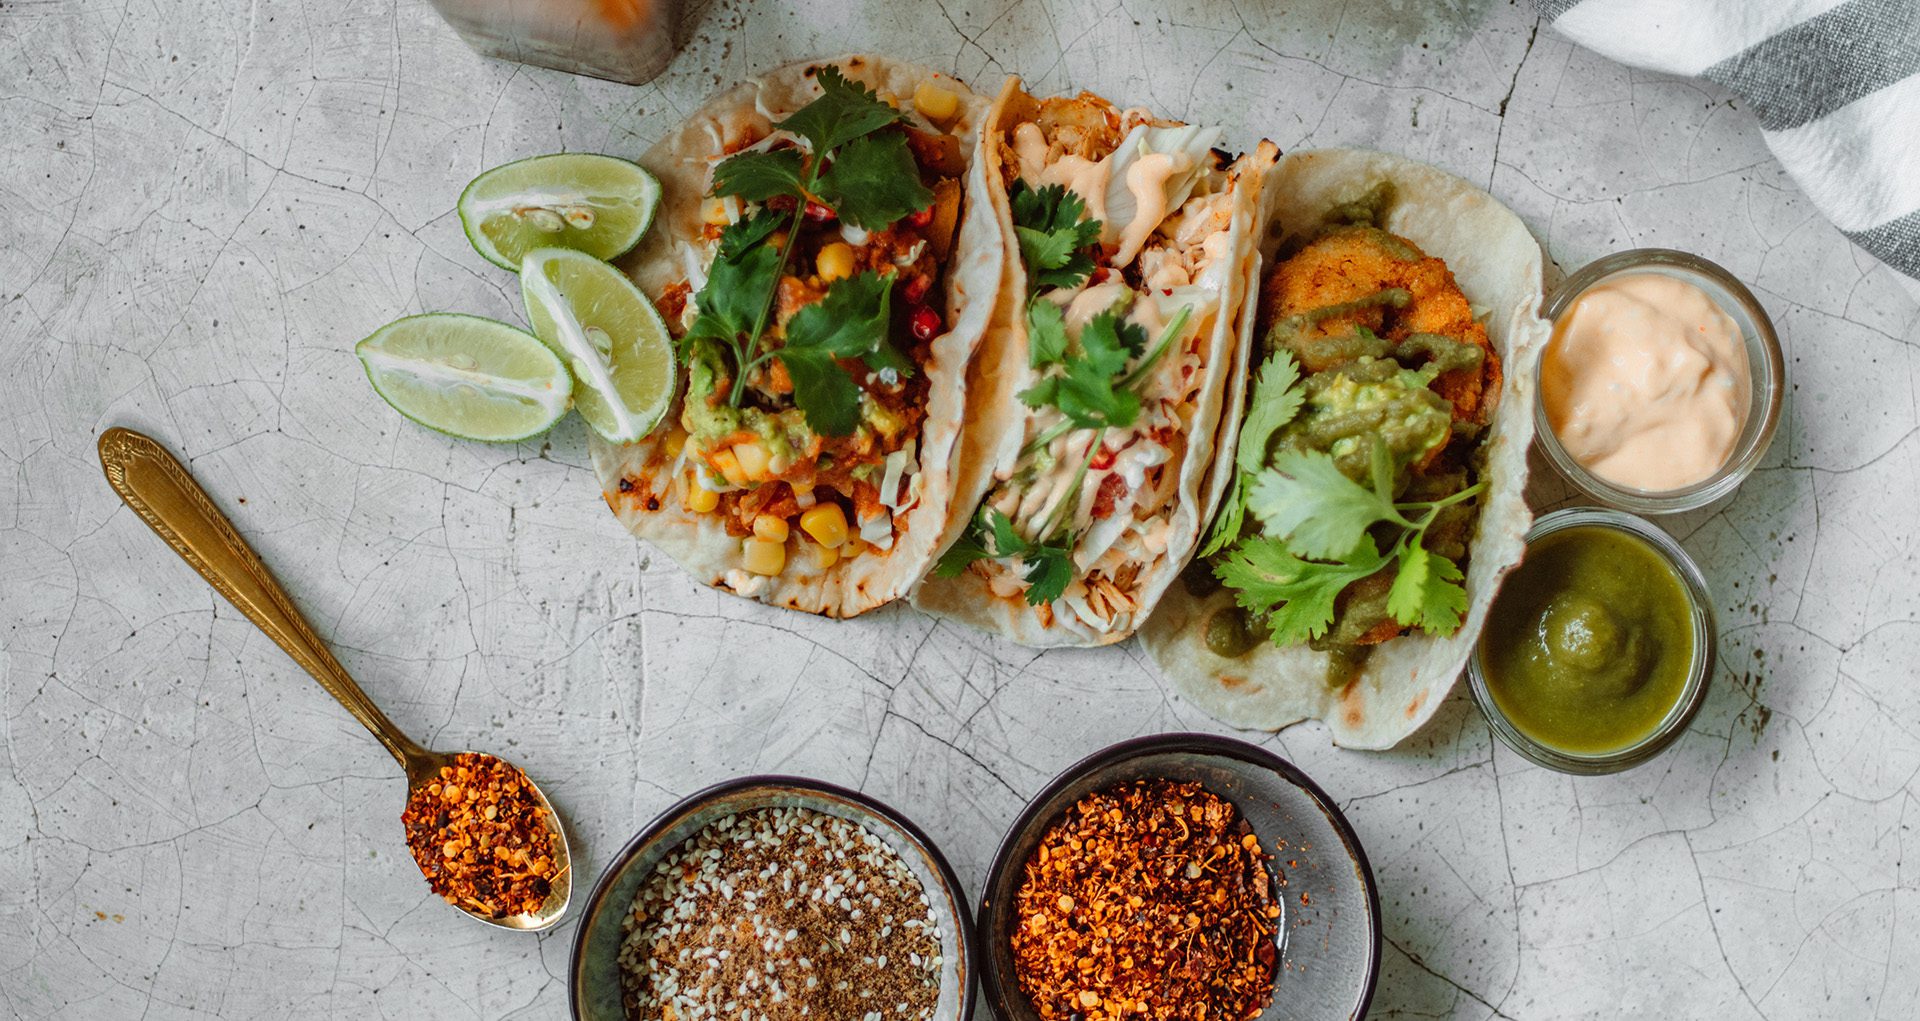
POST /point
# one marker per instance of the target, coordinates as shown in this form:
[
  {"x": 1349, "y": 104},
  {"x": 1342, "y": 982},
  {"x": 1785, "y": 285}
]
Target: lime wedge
[
  {"x": 599, "y": 205},
  {"x": 608, "y": 333},
  {"x": 474, "y": 378}
]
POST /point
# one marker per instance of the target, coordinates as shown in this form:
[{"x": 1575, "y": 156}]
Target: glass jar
[
  {"x": 1763, "y": 360},
  {"x": 627, "y": 41},
  {"x": 1706, "y": 637}
]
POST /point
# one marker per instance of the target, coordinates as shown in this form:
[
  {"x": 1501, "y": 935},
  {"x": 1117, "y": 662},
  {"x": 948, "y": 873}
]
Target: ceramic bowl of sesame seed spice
[
  {"x": 1181, "y": 876},
  {"x": 776, "y": 899}
]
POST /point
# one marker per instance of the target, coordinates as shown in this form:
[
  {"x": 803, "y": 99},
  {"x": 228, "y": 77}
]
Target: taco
[
  {"x": 1375, "y": 476},
  {"x": 827, "y": 266},
  {"x": 1096, "y": 401}
]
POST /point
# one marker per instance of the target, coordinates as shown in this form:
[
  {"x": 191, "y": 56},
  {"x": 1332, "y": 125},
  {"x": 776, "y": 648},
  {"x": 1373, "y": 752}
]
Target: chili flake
[
  {"x": 482, "y": 837},
  {"x": 1151, "y": 900}
]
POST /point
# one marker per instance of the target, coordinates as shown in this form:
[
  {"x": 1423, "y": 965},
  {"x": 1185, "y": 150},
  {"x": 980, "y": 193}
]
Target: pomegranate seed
[
  {"x": 921, "y": 218},
  {"x": 917, "y": 288},
  {"x": 819, "y": 213},
  {"x": 925, "y": 323}
]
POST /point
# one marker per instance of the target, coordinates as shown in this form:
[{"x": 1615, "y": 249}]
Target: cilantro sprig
[
  {"x": 1049, "y": 563},
  {"x": 1093, "y": 387},
  {"x": 868, "y": 178},
  {"x": 1320, "y": 529},
  {"x": 1275, "y": 403},
  {"x": 1056, "y": 245}
]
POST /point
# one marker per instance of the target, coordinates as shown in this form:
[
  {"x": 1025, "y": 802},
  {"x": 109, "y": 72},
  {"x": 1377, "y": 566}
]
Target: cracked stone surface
[{"x": 206, "y": 204}]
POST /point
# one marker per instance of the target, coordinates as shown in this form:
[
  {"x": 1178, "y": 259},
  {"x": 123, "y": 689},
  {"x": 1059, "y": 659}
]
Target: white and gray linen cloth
[{"x": 1835, "y": 85}]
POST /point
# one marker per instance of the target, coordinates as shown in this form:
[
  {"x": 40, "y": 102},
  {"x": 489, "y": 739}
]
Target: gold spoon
[{"x": 161, "y": 491}]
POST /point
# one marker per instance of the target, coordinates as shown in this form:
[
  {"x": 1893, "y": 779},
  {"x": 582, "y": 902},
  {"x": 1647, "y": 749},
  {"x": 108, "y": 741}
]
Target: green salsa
[{"x": 1591, "y": 641}]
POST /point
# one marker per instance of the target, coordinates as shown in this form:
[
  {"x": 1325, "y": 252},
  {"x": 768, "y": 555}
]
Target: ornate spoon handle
[{"x": 159, "y": 489}]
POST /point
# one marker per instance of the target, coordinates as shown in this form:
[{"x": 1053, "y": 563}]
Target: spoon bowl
[
  {"x": 425, "y": 769},
  {"x": 159, "y": 488}
]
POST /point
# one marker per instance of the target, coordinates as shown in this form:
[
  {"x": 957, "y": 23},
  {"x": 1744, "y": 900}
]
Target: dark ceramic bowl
[
  {"x": 1330, "y": 932},
  {"x": 594, "y": 976}
]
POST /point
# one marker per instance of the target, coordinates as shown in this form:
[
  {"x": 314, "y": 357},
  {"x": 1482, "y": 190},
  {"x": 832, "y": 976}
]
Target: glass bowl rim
[
  {"x": 1769, "y": 383},
  {"x": 1706, "y": 640}
]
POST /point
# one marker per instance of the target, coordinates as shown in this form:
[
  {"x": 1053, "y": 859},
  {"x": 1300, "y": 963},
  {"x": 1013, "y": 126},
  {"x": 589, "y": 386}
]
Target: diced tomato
[
  {"x": 819, "y": 213},
  {"x": 1103, "y": 459},
  {"x": 920, "y": 218},
  {"x": 1112, "y": 488}
]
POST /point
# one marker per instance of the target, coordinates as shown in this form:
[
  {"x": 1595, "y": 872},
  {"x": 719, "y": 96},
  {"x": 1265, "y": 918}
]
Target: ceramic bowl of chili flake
[
  {"x": 764, "y": 892},
  {"x": 1325, "y": 933}
]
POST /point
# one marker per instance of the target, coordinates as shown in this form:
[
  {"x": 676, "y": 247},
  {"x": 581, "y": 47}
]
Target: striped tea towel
[{"x": 1835, "y": 84}]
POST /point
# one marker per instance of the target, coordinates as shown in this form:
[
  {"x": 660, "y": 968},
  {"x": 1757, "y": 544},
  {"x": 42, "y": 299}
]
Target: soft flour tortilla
[
  {"x": 997, "y": 417},
  {"x": 1497, "y": 264},
  {"x": 683, "y": 161}
]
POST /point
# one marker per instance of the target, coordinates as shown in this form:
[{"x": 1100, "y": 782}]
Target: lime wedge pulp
[
  {"x": 478, "y": 379},
  {"x": 608, "y": 333},
  {"x": 599, "y": 205}
]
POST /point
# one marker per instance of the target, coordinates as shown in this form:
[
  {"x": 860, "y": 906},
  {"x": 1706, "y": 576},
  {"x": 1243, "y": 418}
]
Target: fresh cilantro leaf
[
  {"x": 1427, "y": 592},
  {"x": 845, "y": 111},
  {"x": 1046, "y": 334},
  {"x": 874, "y": 181},
  {"x": 743, "y": 274},
  {"x": 759, "y": 176},
  {"x": 1110, "y": 340},
  {"x": 992, "y": 536},
  {"x": 1085, "y": 392},
  {"x": 1296, "y": 597},
  {"x": 1276, "y": 400},
  {"x": 1006, "y": 541},
  {"x": 1054, "y": 240},
  {"x": 1049, "y": 572},
  {"x": 1226, "y": 524},
  {"x": 743, "y": 234},
  {"x": 822, "y": 390},
  {"x": 958, "y": 557},
  {"x": 1305, "y": 500},
  {"x": 849, "y": 322}
]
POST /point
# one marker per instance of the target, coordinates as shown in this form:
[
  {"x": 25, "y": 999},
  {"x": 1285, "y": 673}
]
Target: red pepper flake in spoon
[
  {"x": 1147, "y": 900},
  {"x": 482, "y": 837}
]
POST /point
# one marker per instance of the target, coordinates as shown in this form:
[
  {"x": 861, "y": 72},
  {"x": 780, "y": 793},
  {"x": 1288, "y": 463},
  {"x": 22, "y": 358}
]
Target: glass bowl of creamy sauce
[{"x": 1660, "y": 389}]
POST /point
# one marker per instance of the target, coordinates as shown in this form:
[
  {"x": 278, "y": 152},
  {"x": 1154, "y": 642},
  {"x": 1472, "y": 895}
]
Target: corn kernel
[
  {"x": 714, "y": 211},
  {"x": 701, "y": 500},
  {"x": 763, "y": 557},
  {"x": 936, "y": 103},
  {"x": 777, "y": 240},
  {"x": 771, "y": 528},
  {"x": 824, "y": 556},
  {"x": 835, "y": 261},
  {"x": 675, "y": 442},
  {"x": 729, "y": 465},
  {"x": 753, "y": 458},
  {"x": 826, "y": 523},
  {"x": 854, "y": 547}
]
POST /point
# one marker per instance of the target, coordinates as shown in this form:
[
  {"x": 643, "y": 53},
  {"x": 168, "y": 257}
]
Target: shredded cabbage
[
  {"x": 1195, "y": 140},
  {"x": 899, "y": 463}
]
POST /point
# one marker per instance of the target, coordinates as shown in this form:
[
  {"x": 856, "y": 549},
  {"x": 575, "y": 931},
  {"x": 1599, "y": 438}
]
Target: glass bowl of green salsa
[{"x": 1597, "y": 652}]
